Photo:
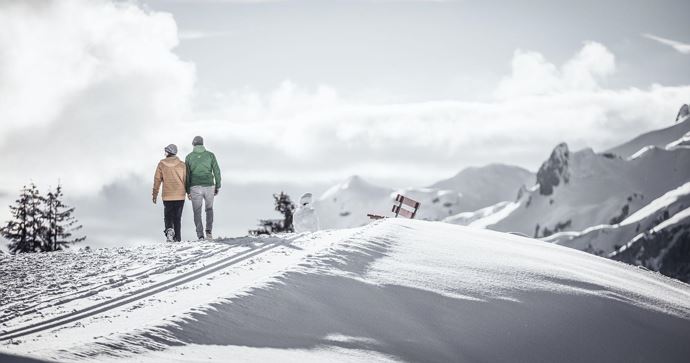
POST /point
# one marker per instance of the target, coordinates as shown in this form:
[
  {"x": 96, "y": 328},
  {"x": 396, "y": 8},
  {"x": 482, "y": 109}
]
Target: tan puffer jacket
[{"x": 172, "y": 172}]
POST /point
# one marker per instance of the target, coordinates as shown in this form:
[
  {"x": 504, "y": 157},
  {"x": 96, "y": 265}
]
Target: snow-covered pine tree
[
  {"x": 285, "y": 206},
  {"x": 59, "y": 222},
  {"x": 26, "y": 226},
  {"x": 35, "y": 220}
]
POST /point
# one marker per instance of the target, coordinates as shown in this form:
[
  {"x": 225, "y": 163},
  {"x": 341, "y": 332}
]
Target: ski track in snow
[
  {"x": 138, "y": 294},
  {"x": 33, "y": 284},
  {"x": 52, "y": 301},
  {"x": 99, "y": 263}
]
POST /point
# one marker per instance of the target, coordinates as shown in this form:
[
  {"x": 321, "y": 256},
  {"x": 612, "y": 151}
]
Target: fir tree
[
  {"x": 59, "y": 222},
  {"x": 35, "y": 221},
  {"x": 285, "y": 206},
  {"x": 26, "y": 226}
]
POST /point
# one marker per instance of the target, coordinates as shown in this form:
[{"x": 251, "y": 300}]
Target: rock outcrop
[{"x": 554, "y": 170}]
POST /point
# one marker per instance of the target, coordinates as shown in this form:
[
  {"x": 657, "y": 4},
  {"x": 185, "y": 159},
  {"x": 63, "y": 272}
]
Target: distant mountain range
[
  {"x": 630, "y": 203},
  {"x": 347, "y": 204}
]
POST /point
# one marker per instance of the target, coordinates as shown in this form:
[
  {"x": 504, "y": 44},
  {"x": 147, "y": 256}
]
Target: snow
[
  {"x": 683, "y": 141},
  {"x": 485, "y": 216},
  {"x": 678, "y": 218},
  {"x": 641, "y": 152},
  {"x": 675, "y": 219},
  {"x": 487, "y": 185},
  {"x": 604, "y": 196},
  {"x": 605, "y": 238},
  {"x": 393, "y": 290},
  {"x": 599, "y": 188},
  {"x": 659, "y": 138},
  {"x": 347, "y": 204},
  {"x": 197, "y": 353},
  {"x": 466, "y": 218},
  {"x": 660, "y": 203},
  {"x": 79, "y": 284}
]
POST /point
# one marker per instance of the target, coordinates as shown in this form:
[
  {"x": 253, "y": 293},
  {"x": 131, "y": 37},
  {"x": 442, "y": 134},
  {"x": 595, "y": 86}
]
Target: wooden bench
[{"x": 399, "y": 208}]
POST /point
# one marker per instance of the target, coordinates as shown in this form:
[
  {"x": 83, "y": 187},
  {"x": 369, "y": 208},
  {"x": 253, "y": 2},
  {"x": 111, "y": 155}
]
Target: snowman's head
[{"x": 305, "y": 199}]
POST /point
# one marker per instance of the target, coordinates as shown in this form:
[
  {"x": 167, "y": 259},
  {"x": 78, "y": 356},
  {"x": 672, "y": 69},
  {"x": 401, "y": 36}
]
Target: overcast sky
[{"x": 298, "y": 95}]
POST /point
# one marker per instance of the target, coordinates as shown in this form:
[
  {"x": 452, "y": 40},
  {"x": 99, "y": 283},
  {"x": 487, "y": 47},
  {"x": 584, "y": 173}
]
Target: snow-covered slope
[
  {"x": 586, "y": 189},
  {"x": 600, "y": 202},
  {"x": 394, "y": 290},
  {"x": 487, "y": 185},
  {"x": 658, "y": 138},
  {"x": 468, "y": 218},
  {"x": 346, "y": 204},
  {"x": 607, "y": 238},
  {"x": 664, "y": 248}
]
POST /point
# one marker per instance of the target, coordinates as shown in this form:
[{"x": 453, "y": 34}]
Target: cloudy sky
[{"x": 298, "y": 95}]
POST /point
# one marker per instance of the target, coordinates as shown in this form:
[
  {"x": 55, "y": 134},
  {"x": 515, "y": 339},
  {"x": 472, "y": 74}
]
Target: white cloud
[
  {"x": 293, "y": 134},
  {"x": 532, "y": 75},
  {"x": 92, "y": 97},
  {"x": 86, "y": 87},
  {"x": 296, "y": 134},
  {"x": 678, "y": 46}
]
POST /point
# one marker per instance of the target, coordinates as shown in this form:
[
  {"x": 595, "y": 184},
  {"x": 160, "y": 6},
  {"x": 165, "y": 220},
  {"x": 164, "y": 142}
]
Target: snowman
[{"x": 305, "y": 219}]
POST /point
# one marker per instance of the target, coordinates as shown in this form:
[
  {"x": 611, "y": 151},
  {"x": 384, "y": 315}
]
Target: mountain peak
[
  {"x": 553, "y": 170},
  {"x": 683, "y": 112},
  {"x": 355, "y": 185},
  {"x": 354, "y": 180}
]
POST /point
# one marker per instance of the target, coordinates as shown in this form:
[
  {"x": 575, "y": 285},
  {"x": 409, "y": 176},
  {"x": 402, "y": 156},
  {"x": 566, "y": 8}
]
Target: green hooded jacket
[{"x": 202, "y": 169}]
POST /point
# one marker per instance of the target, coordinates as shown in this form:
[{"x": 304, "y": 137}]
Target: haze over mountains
[{"x": 630, "y": 202}]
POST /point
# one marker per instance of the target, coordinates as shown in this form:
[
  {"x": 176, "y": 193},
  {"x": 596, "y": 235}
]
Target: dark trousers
[{"x": 172, "y": 215}]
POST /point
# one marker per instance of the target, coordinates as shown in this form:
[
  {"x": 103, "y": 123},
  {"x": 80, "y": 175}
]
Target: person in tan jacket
[{"x": 171, "y": 172}]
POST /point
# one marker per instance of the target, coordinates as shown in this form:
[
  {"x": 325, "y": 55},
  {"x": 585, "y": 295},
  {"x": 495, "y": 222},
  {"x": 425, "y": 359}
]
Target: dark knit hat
[
  {"x": 171, "y": 149},
  {"x": 198, "y": 140}
]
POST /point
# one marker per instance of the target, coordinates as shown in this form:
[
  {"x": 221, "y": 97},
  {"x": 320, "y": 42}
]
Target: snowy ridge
[
  {"x": 347, "y": 204},
  {"x": 467, "y": 218},
  {"x": 677, "y": 218},
  {"x": 392, "y": 290},
  {"x": 600, "y": 190},
  {"x": 605, "y": 239},
  {"x": 658, "y": 138},
  {"x": 483, "y": 186},
  {"x": 682, "y": 142},
  {"x": 680, "y": 194},
  {"x": 599, "y": 203},
  {"x": 484, "y": 217},
  {"x": 663, "y": 248}
]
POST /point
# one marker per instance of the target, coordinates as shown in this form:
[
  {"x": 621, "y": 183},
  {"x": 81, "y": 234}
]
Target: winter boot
[
  {"x": 209, "y": 236},
  {"x": 170, "y": 235}
]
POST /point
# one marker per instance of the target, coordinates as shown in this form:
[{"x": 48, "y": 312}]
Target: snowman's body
[{"x": 305, "y": 218}]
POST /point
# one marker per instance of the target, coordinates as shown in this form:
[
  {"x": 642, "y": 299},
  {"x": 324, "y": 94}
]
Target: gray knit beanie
[
  {"x": 171, "y": 149},
  {"x": 198, "y": 140}
]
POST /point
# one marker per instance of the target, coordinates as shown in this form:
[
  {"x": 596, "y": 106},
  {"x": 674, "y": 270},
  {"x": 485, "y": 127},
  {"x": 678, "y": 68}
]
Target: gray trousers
[{"x": 202, "y": 195}]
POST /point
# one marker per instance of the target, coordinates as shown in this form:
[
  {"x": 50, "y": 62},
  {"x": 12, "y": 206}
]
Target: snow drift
[{"x": 392, "y": 290}]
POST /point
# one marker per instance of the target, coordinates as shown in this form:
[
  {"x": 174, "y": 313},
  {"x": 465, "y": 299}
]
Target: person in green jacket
[{"x": 202, "y": 184}]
